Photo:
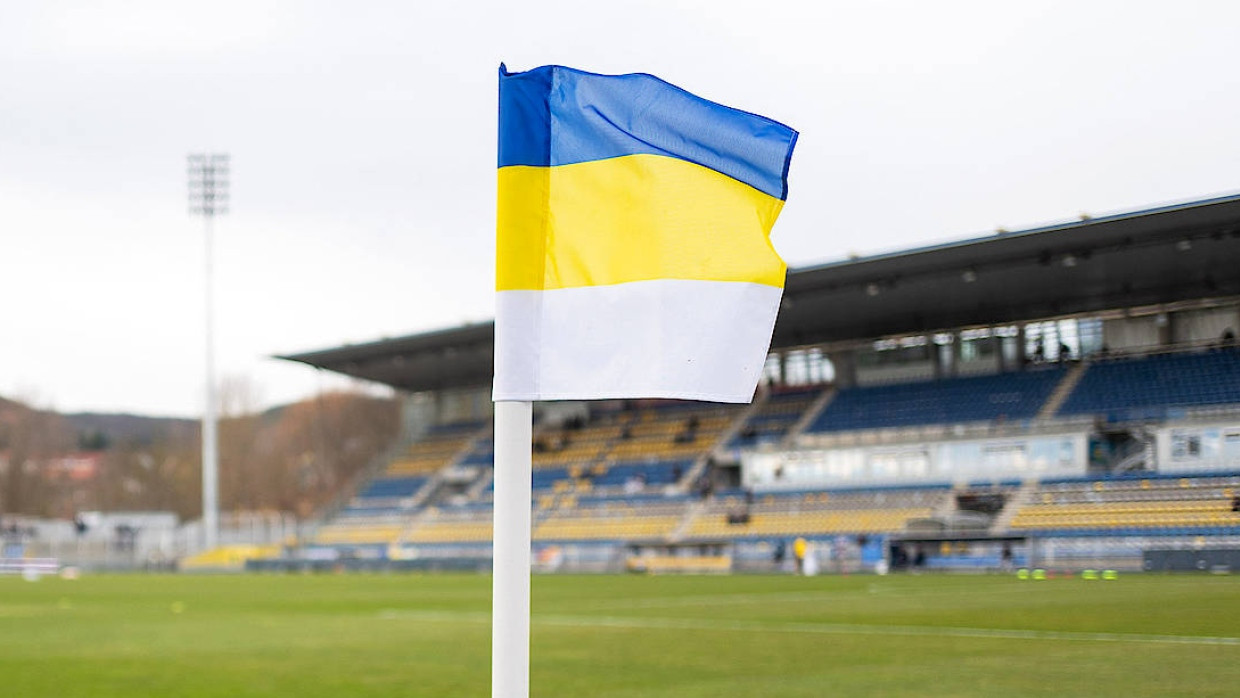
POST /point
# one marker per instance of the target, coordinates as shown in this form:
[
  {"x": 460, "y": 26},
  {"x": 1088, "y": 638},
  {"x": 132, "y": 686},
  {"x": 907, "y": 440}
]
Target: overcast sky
[{"x": 363, "y": 144}]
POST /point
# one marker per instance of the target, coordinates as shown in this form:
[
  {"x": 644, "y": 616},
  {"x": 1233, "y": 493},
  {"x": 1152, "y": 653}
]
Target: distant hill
[{"x": 129, "y": 428}]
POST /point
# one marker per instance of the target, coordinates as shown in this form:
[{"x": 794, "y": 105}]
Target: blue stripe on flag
[{"x": 555, "y": 115}]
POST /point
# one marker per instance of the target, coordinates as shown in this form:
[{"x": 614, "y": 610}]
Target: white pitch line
[
  {"x": 822, "y": 628},
  {"x": 741, "y": 599}
]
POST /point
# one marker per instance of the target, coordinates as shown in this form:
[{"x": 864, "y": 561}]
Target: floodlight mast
[{"x": 208, "y": 197}]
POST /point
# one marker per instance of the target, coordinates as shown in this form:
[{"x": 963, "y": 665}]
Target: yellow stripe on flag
[{"x": 631, "y": 218}]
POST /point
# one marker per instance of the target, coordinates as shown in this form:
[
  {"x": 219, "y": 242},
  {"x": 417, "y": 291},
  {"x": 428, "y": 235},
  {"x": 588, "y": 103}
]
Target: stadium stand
[
  {"x": 774, "y": 417},
  {"x": 625, "y": 449},
  {"x": 354, "y": 530},
  {"x": 1139, "y": 506},
  {"x": 609, "y": 519},
  {"x": 1069, "y": 392},
  {"x": 435, "y": 450},
  {"x": 228, "y": 557},
  {"x": 816, "y": 513},
  {"x": 382, "y": 508},
  {"x": 469, "y": 524},
  {"x": 1009, "y": 396},
  {"x": 1146, "y": 387}
]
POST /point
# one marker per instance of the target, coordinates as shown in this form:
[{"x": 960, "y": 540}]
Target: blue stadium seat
[
  {"x": 1149, "y": 388},
  {"x": 392, "y": 487},
  {"x": 1010, "y": 396}
]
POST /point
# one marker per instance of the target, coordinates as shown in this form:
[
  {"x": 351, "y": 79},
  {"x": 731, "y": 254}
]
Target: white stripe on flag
[{"x": 669, "y": 338}]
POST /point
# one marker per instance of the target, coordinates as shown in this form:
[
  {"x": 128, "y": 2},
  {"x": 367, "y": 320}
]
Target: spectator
[
  {"x": 799, "y": 547},
  {"x": 705, "y": 487}
]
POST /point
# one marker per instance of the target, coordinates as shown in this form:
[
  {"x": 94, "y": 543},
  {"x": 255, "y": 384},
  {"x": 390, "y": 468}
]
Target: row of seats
[
  {"x": 775, "y": 417},
  {"x": 433, "y": 451},
  {"x": 1122, "y": 388},
  {"x": 885, "y": 510},
  {"x": 1009, "y": 396},
  {"x": 1198, "y": 503},
  {"x": 859, "y": 521},
  {"x": 385, "y": 487},
  {"x": 648, "y": 474},
  {"x": 351, "y": 533},
  {"x": 469, "y": 531},
  {"x": 653, "y": 445},
  {"x": 602, "y": 527},
  {"x": 568, "y": 516},
  {"x": 376, "y": 515},
  {"x": 1118, "y": 387}
]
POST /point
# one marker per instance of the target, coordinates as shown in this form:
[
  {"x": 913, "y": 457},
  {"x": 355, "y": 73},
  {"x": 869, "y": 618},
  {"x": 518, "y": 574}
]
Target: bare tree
[
  {"x": 294, "y": 458},
  {"x": 31, "y": 438}
]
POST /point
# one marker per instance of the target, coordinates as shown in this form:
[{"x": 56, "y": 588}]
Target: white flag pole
[{"x": 510, "y": 590}]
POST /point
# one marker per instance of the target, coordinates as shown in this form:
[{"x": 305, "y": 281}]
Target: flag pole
[{"x": 510, "y": 591}]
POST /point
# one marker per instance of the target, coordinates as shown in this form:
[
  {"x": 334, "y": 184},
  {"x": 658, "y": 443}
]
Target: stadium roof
[{"x": 1157, "y": 256}]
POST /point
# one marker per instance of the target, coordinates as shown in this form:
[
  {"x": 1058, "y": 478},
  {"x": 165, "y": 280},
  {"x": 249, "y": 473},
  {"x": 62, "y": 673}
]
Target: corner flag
[{"x": 633, "y": 254}]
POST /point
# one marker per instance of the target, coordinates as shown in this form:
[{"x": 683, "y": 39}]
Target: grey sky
[{"x": 363, "y": 146}]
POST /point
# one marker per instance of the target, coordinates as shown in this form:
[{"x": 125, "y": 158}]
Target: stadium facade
[{"x": 1067, "y": 396}]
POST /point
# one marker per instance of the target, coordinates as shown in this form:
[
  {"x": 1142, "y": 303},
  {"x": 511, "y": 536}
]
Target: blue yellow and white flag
[{"x": 633, "y": 239}]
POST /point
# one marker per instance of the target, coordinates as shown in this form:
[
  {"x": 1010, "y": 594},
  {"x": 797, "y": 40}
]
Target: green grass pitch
[{"x": 394, "y": 635}]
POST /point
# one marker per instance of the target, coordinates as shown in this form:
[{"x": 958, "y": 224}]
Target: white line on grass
[
  {"x": 741, "y": 599},
  {"x": 820, "y": 628}
]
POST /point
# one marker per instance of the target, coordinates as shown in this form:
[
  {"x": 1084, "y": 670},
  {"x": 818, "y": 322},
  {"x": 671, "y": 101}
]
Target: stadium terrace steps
[
  {"x": 615, "y": 527},
  {"x": 442, "y": 526},
  {"x": 596, "y": 481},
  {"x": 609, "y": 519},
  {"x": 1139, "y": 388},
  {"x": 1069, "y": 382},
  {"x": 692, "y": 512},
  {"x": 732, "y": 432},
  {"x": 811, "y": 413},
  {"x": 353, "y": 532},
  {"x": 807, "y": 523},
  {"x": 655, "y": 446},
  {"x": 228, "y": 557},
  {"x": 1197, "y": 503},
  {"x": 1015, "y": 502},
  {"x": 385, "y": 487},
  {"x": 815, "y": 513},
  {"x": 771, "y": 420},
  {"x": 1002, "y": 397},
  {"x": 436, "y": 449},
  {"x": 650, "y": 447},
  {"x": 380, "y": 511}
]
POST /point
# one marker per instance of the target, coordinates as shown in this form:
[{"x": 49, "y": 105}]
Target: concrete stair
[
  {"x": 1063, "y": 390},
  {"x": 811, "y": 413},
  {"x": 1019, "y": 500}
]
